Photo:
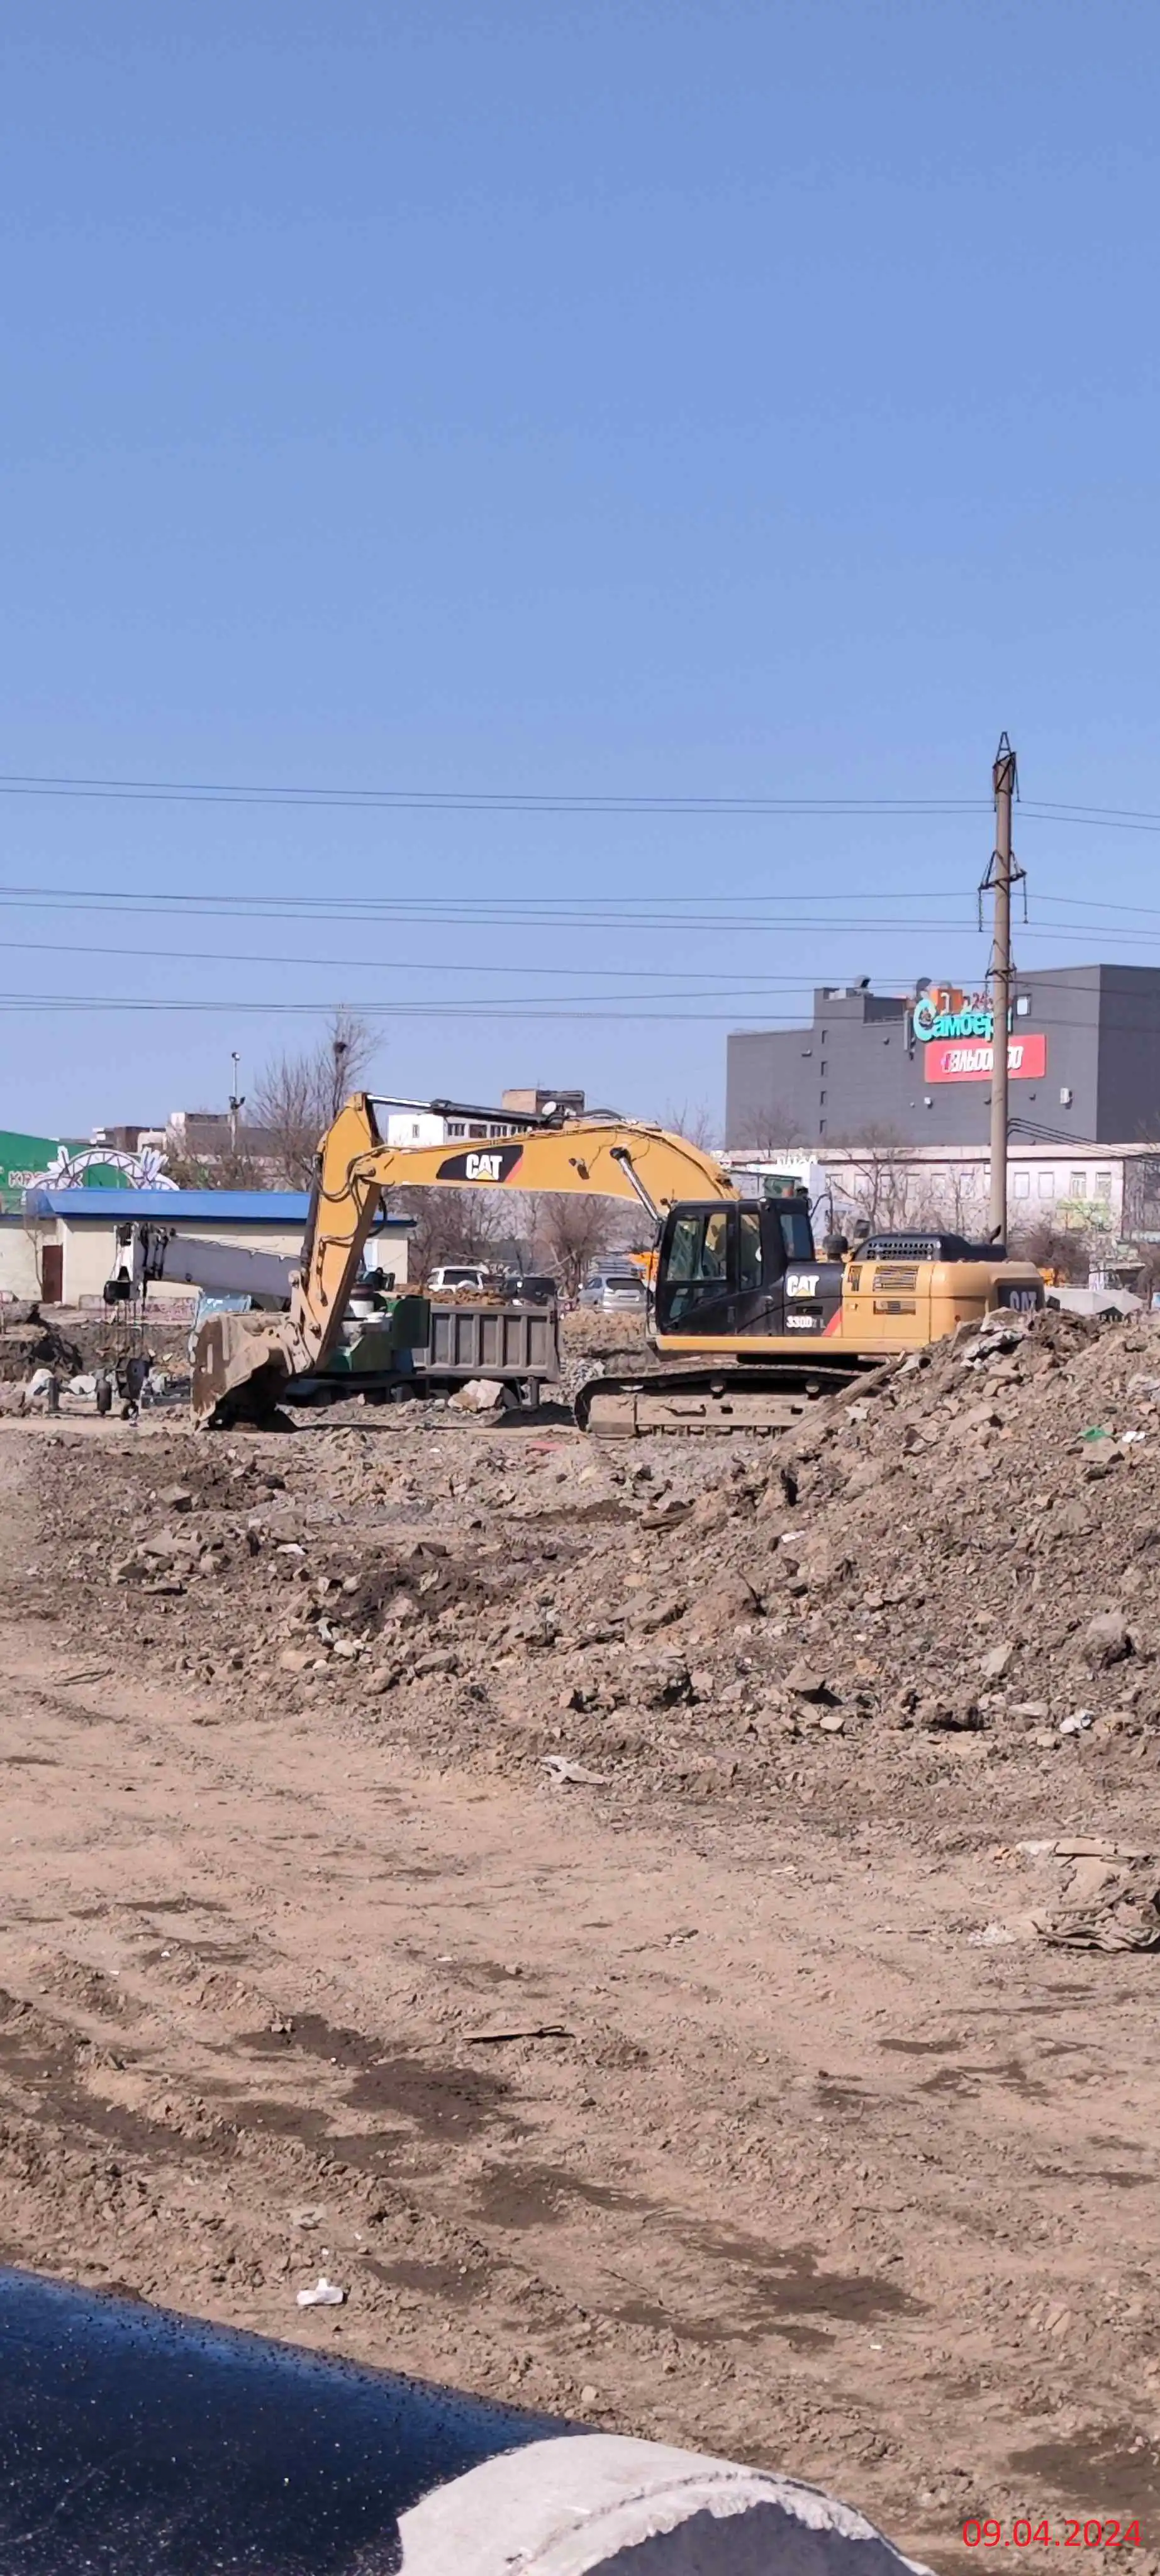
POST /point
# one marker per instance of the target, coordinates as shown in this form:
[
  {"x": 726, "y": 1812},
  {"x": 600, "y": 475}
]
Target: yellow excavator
[{"x": 747, "y": 1324}]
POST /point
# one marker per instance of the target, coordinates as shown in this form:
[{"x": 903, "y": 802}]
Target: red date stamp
[{"x": 1030, "y": 2531}]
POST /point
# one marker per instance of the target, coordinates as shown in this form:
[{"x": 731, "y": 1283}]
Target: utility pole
[
  {"x": 237, "y": 1101},
  {"x": 1000, "y": 877}
]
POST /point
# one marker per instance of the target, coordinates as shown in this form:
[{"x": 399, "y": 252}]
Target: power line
[
  {"x": 466, "y": 800},
  {"x": 1115, "y": 818},
  {"x": 939, "y": 928},
  {"x": 543, "y": 801},
  {"x": 503, "y": 908},
  {"x": 723, "y": 988},
  {"x": 621, "y": 1008},
  {"x": 780, "y": 911},
  {"x": 1095, "y": 903},
  {"x": 902, "y": 983},
  {"x": 565, "y": 1007},
  {"x": 472, "y": 914},
  {"x": 386, "y": 965},
  {"x": 413, "y": 912},
  {"x": 617, "y": 912}
]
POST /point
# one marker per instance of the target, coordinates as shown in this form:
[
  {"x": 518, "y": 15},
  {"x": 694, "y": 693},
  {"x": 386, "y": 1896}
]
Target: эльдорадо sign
[{"x": 973, "y": 1059}]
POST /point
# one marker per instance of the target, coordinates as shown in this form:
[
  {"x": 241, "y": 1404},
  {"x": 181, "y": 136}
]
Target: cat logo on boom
[{"x": 486, "y": 1165}]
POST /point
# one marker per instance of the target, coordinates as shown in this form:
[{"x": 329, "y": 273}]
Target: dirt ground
[{"x": 727, "y": 2102}]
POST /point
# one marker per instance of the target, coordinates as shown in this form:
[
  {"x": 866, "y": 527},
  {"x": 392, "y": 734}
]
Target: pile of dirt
[
  {"x": 585, "y": 1331},
  {"x": 73, "y": 1342},
  {"x": 952, "y": 1565},
  {"x": 33, "y": 1344},
  {"x": 595, "y": 1345},
  {"x": 985, "y": 1516},
  {"x": 99, "y": 1334}
]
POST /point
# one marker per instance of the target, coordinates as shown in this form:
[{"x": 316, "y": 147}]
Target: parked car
[
  {"x": 532, "y": 1288},
  {"x": 458, "y": 1274},
  {"x": 614, "y": 1292}
]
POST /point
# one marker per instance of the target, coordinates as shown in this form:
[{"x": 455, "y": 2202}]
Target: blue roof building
[
  {"x": 64, "y": 1244},
  {"x": 173, "y": 1207}
]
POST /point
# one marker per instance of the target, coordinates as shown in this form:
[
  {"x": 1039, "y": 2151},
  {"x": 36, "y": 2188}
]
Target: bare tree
[
  {"x": 1148, "y": 1281},
  {"x": 41, "y": 1231},
  {"x": 574, "y": 1232},
  {"x": 541, "y": 1229},
  {"x": 775, "y": 1132},
  {"x": 347, "y": 1053},
  {"x": 451, "y": 1225},
  {"x": 877, "y": 1178},
  {"x": 230, "y": 1170},
  {"x": 695, "y": 1122},
  {"x": 298, "y": 1096},
  {"x": 1052, "y": 1246},
  {"x": 960, "y": 1200}
]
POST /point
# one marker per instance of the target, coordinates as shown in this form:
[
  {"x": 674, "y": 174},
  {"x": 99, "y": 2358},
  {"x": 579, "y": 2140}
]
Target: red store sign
[{"x": 973, "y": 1059}]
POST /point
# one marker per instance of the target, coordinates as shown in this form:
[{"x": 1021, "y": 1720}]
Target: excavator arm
[{"x": 241, "y": 1354}]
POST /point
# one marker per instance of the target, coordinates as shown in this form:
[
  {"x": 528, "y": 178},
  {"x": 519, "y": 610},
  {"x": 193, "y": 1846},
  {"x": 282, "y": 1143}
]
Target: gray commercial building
[{"x": 1083, "y": 1058}]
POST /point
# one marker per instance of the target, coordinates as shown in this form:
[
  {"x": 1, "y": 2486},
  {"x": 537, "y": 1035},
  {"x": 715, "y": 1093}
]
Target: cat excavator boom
[{"x": 242, "y": 1361}]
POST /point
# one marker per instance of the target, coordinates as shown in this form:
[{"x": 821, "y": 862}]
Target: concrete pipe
[{"x": 138, "y": 2443}]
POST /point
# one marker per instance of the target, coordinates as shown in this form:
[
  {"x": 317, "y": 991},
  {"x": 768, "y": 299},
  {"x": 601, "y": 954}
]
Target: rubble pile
[
  {"x": 596, "y": 1345},
  {"x": 952, "y": 1564},
  {"x": 30, "y": 1344}
]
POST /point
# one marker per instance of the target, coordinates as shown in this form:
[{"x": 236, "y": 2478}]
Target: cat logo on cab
[{"x": 801, "y": 1283}]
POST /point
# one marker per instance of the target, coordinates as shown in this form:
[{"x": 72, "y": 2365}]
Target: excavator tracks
[{"x": 688, "y": 1403}]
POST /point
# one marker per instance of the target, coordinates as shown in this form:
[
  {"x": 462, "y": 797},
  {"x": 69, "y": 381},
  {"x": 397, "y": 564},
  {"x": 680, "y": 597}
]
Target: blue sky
[{"x": 674, "y": 398}]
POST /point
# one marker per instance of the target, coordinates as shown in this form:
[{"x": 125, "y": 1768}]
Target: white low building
[
  {"x": 1103, "y": 1188},
  {"x": 455, "y": 1122},
  {"x": 66, "y": 1243}
]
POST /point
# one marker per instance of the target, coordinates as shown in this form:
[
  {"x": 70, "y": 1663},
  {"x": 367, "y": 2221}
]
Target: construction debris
[
  {"x": 518, "y": 2030},
  {"x": 1105, "y": 1908},
  {"x": 33, "y": 1344},
  {"x": 325, "y": 2294},
  {"x": 478, "y": 1395}
]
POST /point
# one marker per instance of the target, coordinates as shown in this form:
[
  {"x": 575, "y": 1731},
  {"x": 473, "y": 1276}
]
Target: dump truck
[{"x": 389, "y": 1343}]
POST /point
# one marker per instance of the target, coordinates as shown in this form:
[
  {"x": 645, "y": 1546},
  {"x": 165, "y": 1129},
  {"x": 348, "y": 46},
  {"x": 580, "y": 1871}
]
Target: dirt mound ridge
[
  {"x": 977, "y": 1508},
  {"x": 959, "y": 1555}
]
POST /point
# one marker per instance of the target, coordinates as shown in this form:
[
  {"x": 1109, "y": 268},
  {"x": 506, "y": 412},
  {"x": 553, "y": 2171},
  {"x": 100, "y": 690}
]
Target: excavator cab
[{"x": 743, "y": 1270}]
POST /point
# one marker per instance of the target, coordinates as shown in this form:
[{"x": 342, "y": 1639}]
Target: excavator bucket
[{"x": 240, "y": 1365}]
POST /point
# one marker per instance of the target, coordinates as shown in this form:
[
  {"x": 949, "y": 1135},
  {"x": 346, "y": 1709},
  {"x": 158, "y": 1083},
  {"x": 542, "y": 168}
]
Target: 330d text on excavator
[{"x": 747, "y": 1324}]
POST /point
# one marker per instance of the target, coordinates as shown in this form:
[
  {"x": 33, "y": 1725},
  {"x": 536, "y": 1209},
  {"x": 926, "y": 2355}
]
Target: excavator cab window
[
  {"x": 797, "y": 1232},
  {"x": 695, "y": 1264},
  {"x": 718, "y": 1269},
  {"x": 749, "y": 1248}
]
